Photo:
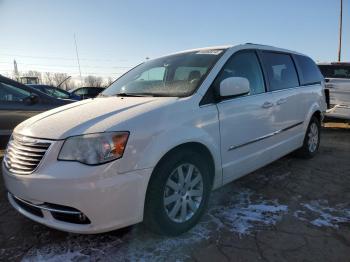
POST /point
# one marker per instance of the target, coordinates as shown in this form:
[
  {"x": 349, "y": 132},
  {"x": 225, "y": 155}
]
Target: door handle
[
  {"x": 281, "y": 101},
  {"x": 267, "y": 105}
]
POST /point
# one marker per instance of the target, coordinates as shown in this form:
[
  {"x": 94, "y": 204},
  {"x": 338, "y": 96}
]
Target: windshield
[
  {"x": 335, "y": 71},
  {"x": 174, "y": 75}
]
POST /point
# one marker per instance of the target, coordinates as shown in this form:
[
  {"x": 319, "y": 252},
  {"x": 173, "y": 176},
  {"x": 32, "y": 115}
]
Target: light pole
[{"x": 340, "y": 29}]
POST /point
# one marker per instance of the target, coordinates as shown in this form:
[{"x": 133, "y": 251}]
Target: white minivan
[{"x": 155, "y": 143}]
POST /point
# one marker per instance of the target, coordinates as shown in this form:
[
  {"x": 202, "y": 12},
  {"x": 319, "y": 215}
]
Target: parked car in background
[
  {"x": 337, "y": 77},
  {"x": 19, "y": 102},
  {"x": 56, "y": 92},
  {"x": 87, "y": 92},
  {"x": 157, "y": 141}
]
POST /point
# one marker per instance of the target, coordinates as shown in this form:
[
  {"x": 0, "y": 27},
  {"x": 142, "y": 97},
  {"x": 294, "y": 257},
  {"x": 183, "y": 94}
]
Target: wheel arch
[
  {"x": 316, "y": 111},
  {"x": 318, "y": 115},
  {"x": 194, "y": 146}
]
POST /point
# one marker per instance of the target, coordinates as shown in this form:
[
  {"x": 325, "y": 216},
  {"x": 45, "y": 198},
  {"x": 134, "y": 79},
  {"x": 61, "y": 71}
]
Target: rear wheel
[
  {"x": 311, "y": 140},
  {"x": 178, "y": 193}
]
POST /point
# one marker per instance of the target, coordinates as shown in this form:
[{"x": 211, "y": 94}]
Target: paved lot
[{"x": 291, "y": 210}]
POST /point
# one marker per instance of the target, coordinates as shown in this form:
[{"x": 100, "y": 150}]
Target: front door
[{"x": 245, "y": 121}]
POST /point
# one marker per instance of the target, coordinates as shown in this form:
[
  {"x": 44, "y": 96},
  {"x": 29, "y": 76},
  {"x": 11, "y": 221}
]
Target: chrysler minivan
[{"x": 155, "y": 143}]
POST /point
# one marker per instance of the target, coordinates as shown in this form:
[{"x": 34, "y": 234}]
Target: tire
[
  {"x": 311, "y": 140},
  {"x": 167, "y": 190}
]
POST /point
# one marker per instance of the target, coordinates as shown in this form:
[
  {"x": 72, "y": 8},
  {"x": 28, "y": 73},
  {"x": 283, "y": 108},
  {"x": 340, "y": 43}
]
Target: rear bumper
[
  {"x": 338, "y": 112},
  {"x": 94, "y": 203}
]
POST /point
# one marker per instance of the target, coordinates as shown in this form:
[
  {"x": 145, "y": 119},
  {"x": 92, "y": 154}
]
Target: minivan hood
[{"x": 88, "y": 116}]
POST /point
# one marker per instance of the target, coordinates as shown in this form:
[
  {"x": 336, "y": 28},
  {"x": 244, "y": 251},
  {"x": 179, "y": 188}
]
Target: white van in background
[
  {"x": 337, "y": 77},
  {"x": 155, "y": 143}
]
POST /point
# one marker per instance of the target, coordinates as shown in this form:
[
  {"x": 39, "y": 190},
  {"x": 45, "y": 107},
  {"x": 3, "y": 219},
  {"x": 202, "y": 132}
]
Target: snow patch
[
  {"x": 68, "y": 256},
  {"x": 244, "y": 215},
  {"x": 319, "y": 213},
  {"x": 234, "y": 209},
  {"x": 136, "y": 245}
]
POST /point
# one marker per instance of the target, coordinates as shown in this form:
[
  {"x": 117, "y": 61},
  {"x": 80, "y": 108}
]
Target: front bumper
[{"x": 107, "y": 200}]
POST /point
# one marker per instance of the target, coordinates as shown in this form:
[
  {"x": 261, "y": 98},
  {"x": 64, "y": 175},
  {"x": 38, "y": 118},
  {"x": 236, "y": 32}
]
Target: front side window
[
  {"x": 280, "y": 70},
  {"x": 175, "y": 75},
  {"x": 309, "y": 72},
  {"x": 11, "y": 93},
  {"x": 245, "y": 65}
]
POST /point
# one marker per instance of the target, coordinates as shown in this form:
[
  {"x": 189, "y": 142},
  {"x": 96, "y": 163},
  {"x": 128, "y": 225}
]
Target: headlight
[{"x": 94, "y": 149}]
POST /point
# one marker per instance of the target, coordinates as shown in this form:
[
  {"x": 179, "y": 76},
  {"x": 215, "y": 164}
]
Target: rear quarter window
[
  {"x": 308, "y": 70},
  {"x": 280, "y": 69}
]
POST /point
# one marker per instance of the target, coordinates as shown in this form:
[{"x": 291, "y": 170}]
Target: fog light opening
[{"x": 82, "y": 217}]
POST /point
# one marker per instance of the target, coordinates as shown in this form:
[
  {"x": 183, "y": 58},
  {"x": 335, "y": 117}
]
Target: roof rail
[{"x": 257, "y": 44}]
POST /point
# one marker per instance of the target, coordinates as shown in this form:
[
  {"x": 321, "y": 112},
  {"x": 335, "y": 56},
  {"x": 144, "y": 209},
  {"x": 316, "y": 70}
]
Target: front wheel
[
  {"x": 311, "y": 140},
  {"x": 178, "y": 193}
]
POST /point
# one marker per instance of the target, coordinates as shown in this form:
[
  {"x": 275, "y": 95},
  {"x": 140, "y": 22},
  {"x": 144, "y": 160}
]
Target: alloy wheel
[
  {"x": 183, "y": 193},
  {"x": 313, "y": 137}
]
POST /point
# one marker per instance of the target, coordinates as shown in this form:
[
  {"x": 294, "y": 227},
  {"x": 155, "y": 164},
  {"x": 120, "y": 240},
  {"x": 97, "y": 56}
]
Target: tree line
[{"x": 54, "y": 79}]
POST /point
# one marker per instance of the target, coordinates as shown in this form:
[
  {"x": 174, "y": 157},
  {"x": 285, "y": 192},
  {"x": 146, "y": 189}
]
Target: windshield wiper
[{"x": 134, "y": 94}]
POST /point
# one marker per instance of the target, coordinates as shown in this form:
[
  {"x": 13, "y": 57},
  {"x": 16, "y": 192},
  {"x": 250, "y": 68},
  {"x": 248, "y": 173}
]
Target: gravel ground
[{"x": 290, "y": 210}]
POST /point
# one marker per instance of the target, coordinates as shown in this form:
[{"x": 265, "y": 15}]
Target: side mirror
[
  {"x": 234, "y": 86},
  {"x": 32, "y": 99}
]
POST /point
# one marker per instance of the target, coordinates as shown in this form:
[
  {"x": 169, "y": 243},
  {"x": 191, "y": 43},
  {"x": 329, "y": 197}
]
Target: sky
[{"x": 113, "y": 36}]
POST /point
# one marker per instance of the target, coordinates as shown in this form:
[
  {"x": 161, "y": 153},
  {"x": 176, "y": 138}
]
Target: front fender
[
  {"x": 175, "y": 127},
  {"x": 169, "y": 140}
]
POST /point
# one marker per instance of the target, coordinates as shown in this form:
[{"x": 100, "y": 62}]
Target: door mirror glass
[{"x": 234, "y": 86}]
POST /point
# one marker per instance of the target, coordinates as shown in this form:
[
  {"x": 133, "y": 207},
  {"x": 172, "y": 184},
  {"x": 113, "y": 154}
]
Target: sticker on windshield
[{"x": 209, "y": 52}]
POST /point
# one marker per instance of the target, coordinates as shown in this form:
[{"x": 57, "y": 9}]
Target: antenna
[{"x": 76, "y": 50}]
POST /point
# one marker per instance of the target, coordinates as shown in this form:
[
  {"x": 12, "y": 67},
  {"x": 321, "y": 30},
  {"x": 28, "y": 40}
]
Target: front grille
[{"x": 23, "y": 154}]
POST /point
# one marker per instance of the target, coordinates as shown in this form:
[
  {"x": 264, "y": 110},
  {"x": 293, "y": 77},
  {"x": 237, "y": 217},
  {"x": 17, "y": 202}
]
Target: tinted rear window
[
  {"x": 280, "y": 70},
  {"x": 309, "y": 72},
  {"x": 335, "y": 71}
]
